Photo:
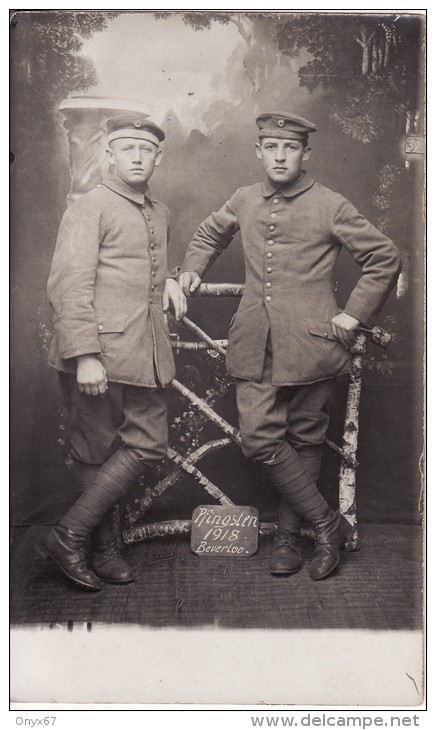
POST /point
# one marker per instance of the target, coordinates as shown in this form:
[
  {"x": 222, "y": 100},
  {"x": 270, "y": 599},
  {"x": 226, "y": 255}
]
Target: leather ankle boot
[
  {"x": 286, "y": 555},
  {"x": 67, "y": 550},
  {"x": 106, "y": 557},
  {"x": 331, "y": 530}
]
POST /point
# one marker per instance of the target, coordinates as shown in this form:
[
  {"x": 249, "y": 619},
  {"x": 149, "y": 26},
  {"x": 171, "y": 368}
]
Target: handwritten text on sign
[{"x": 228, "y": 530}]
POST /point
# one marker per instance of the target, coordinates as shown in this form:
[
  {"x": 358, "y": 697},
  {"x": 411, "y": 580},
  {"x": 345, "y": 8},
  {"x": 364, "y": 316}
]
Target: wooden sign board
[{"x": 225, "y": 531}]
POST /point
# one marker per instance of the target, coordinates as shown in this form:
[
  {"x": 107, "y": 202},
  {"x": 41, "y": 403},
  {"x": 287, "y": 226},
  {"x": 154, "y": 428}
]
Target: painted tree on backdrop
[
  {"x": 370, "y": 68},
  {"x": 47, "y": 67},
  {"x": 370, "y": 63}
]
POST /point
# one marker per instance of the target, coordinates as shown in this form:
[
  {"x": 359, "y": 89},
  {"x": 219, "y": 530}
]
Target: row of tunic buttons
[
  {"x": 271, "y": 227},
  {"x": 153, "y": 258},
  {"x": 149, "y": 220},
  {"x": 153, "y": 271},
  {"x": 153, "y": 268}
]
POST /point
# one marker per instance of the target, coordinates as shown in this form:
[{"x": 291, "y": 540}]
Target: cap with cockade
[
  {"x": 284, "y": 126},
  {"x": 137, "y": 127}
]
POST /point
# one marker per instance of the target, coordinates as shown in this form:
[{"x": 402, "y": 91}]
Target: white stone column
[{"x": 85, "y": 119}]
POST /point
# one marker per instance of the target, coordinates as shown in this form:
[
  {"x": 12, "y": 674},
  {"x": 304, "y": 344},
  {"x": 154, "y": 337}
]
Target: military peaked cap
[
  {"x": 138, "y": 127},
  {"x": 283, "y": 125}
]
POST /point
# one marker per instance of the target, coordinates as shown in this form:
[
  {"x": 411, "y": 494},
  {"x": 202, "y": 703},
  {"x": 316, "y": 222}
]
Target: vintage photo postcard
[{"x": 217, "y": 302}]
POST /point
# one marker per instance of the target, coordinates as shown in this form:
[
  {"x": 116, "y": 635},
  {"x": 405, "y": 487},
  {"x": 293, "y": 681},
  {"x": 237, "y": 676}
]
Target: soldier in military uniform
[
  {"x": 289, "y": 340},
  {"x": 109, "y": 287}
]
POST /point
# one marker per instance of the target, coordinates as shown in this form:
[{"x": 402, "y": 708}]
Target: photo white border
[{"x": 202, "y": 717}]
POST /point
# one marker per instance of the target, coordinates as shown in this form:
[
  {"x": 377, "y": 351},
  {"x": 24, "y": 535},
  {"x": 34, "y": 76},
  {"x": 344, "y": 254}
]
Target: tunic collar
[
  {"x": 304, "y": 182},
  {"x": 113, "y": 182}
]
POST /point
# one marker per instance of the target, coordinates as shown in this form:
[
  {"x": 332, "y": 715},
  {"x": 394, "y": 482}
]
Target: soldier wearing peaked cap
[
  {"x": 109, "y": 287},
  {"x": 281, "y": 125},
  {"x": 135, "y": 128},
  {"x": 289, "y": 340}
]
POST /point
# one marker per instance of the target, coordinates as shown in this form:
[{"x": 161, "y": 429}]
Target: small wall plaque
[
  {"x": 414, "y": 145},
  {"x": 224, "y": 531}
]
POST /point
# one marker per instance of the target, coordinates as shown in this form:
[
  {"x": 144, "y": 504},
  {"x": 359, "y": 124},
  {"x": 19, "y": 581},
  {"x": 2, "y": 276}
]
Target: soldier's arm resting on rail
[
  {"x": 211, "y": 238},
  {"x": 344, "y": 326}
]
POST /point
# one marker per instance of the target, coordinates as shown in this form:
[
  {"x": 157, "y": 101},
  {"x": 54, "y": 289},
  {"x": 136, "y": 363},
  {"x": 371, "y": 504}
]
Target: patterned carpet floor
[{"x": 378, "y": 587}]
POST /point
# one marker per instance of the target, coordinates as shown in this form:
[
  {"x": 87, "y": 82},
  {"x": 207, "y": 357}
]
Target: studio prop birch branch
[
  {"x": 208, "y": 448},
  {"x": 182, "y": 528},
  {"x": 207, "y": 410},
  {"x": 351, "y": 461},
  {"x": 347, "y": 473},
  {"x": 197, "y": 346},
  {"x": 203, "y": 336},
  {"x": 175, "y": 528},
  {"x": 194, "y": 472},
  {"x": 219, "y": 290},
  {"x": 378, "y": 336},
  {"x": 145, "y": 502}
]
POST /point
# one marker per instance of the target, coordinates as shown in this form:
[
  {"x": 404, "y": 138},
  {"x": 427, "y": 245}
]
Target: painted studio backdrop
[{"x": 204, "y": 78}]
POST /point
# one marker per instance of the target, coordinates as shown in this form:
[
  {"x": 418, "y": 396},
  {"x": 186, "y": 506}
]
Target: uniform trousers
[
  {"x": 127, "y": 415},
  {"x": 271, "y": 417}
]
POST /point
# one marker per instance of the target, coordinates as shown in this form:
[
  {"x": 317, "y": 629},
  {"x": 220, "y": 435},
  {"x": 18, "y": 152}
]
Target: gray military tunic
[
  {"x": 291, "y": 239},
  {"x": 106, "y": 284}
]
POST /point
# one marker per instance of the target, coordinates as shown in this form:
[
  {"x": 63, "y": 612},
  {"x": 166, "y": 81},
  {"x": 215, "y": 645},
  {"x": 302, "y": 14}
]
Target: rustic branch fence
[{"x": 137, "y": 531}]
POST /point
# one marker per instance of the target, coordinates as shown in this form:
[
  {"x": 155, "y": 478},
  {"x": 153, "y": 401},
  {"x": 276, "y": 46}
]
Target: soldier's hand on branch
[
  {"x": 173, "y": 293},
  {"x": 344, "y": 326},
  {"x": 189, "y": 281},
  {"x": 91, "y": 375}
]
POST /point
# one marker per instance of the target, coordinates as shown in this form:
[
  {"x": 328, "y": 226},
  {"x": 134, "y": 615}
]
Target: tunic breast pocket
[{"x": 110, "y": 330}]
